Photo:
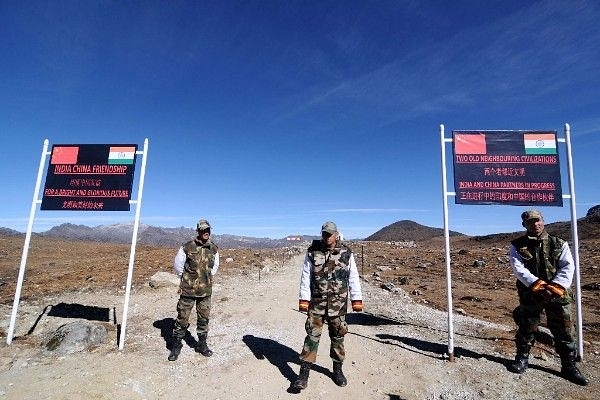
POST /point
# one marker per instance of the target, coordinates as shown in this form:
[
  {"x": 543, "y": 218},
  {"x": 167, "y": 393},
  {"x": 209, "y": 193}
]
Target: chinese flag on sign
[
  {"x": 64, "y": 155},
  {"x": 470, "y": 144}
]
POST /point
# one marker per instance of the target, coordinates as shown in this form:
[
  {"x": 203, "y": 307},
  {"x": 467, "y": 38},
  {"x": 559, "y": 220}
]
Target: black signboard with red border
[
  {"x": 518, "y": 168},
  {"x": 89, "y": 177}
]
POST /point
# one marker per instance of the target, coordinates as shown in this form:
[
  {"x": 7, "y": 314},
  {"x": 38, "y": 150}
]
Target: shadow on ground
[
  {"x": 280, "y": 356},
  {"x": 166, "y": 326},
  {"x": 369, "y": 319},
  {"x": 75, "y": 311},
  {"x": 435, "y": 350}
]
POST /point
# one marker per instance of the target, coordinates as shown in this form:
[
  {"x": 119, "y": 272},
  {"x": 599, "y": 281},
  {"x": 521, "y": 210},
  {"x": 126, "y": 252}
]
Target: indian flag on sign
[
  {"x": 539, "y": 143},
  {"x": 121, "y": 155}
]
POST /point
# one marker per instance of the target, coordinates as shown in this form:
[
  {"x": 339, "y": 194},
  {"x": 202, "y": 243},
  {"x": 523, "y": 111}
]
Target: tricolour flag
[
  {"x": 469, "y": 143},
  {"x": 121, "y": 155},
  {"x": 539, "y": 143},
  {"x": 64, "y": 155}
]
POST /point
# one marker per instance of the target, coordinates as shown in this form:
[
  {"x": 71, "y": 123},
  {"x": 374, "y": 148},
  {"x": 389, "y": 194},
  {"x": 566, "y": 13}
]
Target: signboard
[
  {"x": 89, "y": 177},
  {"x": 518, "y": 168}
]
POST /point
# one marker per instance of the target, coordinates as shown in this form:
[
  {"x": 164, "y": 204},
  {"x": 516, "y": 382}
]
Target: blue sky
[{"x": 270, "y": 117}]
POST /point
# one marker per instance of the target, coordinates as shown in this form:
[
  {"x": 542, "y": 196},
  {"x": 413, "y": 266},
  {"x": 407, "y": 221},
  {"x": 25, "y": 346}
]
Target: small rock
[{"x": 163, "y": 279}]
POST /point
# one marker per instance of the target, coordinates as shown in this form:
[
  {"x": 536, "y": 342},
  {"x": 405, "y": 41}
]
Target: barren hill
[{"x": 407, "y": 230}]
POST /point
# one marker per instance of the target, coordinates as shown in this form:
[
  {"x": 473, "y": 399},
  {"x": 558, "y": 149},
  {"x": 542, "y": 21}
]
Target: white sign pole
[
  {"x": 34, "y": 203},
  {"x": 575, "y": 236},
  {"x": 445, "y": 194},
  {"x": 136, "y": 224}
]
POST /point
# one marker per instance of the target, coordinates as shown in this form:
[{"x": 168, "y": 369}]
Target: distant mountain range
[
  {"x": 157, "y": 236},
  {"x": 405, "y": 230},
  {"x": 171, "y": 237}
]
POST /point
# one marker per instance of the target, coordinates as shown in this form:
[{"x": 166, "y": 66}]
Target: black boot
[
  {"x": 520, "y": 364},
  {"x": 175, "y": 349},
  {"x": 302, "y": 381},
  {"x": 202, "y": 347},
  {"x": 523, "y": 343},
  {"x": 338, "y": 375},
  {"x": 569, "y": 370}
]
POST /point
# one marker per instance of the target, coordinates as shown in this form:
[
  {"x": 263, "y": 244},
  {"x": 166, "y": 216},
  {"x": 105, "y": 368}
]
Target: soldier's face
[
  {"x": 534, "y": 226},
  {"x": 203, "y": 234},
  {"x": 329, "y": 239}
]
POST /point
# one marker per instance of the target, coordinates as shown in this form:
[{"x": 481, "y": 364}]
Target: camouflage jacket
[
  {"x": 540, "y": 255},
  {"x": 329, "y": 277},
  {"x": 196, "y": 280}
]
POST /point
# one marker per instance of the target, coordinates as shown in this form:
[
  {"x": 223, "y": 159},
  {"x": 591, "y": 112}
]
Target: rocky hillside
[{"x": 406, "y": 230}]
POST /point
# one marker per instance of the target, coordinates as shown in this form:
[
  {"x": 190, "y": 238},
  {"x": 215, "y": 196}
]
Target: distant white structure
[{"x": 340, "y": 236}]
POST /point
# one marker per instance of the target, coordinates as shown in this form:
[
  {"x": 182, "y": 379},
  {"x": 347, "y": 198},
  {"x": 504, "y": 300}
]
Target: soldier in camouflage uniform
[
  {"x": 544, "y": 267},
  {"x": 195, "y": 263},
  {"x": 329, "y": 277}
]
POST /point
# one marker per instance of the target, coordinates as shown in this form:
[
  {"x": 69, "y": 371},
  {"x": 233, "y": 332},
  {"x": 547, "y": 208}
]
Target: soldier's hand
[
  {"x": 303, "y": 305},
  {"x": 555, "y": 290},
  {"x": 538, "y": 287},
  {"x": 357, "y": 305}
]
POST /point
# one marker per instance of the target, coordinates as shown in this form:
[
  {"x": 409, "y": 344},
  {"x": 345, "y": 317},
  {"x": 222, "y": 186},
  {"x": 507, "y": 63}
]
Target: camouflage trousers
[
  {"x": 527, "y": 316},
  {"x": 314, "y": 326},
  {"x": 184, "y": 309}
]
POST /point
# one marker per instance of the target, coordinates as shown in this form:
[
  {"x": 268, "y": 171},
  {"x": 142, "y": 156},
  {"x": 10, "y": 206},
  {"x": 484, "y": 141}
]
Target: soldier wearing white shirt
[
  {"x": 195, "y": 263},
  {"x": 544, "y": 267},
  {"x": 329, "y": 277}
]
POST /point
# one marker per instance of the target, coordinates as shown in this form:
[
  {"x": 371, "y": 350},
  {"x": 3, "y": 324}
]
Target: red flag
[
  {"x": 64, "y": 155},
  {"x": 469, "y": 144}
]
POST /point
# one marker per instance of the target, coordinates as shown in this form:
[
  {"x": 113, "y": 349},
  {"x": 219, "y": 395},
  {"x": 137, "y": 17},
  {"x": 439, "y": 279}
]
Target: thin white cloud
[
  {"x": 586, "y": 127},
  {"x": 532, "y": 53}
]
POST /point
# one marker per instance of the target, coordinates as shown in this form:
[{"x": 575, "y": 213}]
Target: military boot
[
  {"x": 520, "y": 364},
  {"x": 176, "y": 346},
  {"x": 302, "y": 381},
  {"x": 569, "y": 370},
  {"x": 338, "y": 375},
  {"x": 522, "y": 358},
  {"x": 202, "y": 347}
]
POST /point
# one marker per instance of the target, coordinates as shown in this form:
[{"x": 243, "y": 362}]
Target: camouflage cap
[
  {"x": 329, "y": 227},
  {"x": 202, "y": 225},
  {"x": 531, "y": 214}
]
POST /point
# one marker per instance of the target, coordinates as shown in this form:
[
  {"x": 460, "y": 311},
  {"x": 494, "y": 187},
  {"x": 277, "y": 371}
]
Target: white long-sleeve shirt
[
  {"x": 353, "y": 280},
  {"x": 180, "y": 258},
  {"x": 564, "y": 269}
]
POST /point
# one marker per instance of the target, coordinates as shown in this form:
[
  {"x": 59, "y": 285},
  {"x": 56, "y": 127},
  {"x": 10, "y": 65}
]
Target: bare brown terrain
[
  {"x": 482, "y": 282},
  {"x": 483, "y": 288}
]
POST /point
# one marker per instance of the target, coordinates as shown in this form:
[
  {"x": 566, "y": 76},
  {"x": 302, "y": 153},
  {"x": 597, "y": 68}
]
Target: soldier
[
  {"x": 195, "y": 263},
  {"x": 544, "y": 267},
  {"x": 329, "y": 274}
]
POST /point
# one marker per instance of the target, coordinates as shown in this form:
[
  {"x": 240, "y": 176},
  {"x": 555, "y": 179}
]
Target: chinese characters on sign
[
  {"x": 506, "y": 167},
  {"x": 89, "y": 177}
]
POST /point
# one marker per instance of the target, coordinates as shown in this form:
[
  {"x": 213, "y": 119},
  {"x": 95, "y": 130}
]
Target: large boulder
[{"x": 77, "y": 336}]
